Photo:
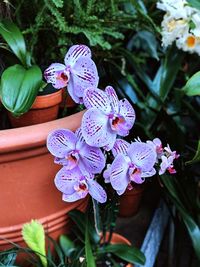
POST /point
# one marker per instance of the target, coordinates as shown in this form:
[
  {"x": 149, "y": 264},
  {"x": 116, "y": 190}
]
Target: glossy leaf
[
  {"x": 88, "y": 249},
  {"x": 145, "y": 40},
  {"x": 194, "y": 3},
  {"x": 12, "y": 35},
  {"x": 19, "y": 87},
  {"x": 192, "y": 86},
  {"x": 67, "y": 245},
  {"x": 176, "y": 197},
  {"x": 124, "y": 252}
]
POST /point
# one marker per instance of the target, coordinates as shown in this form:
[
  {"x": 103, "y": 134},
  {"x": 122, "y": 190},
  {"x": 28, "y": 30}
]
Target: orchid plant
[{"x": 83, "y": 154}]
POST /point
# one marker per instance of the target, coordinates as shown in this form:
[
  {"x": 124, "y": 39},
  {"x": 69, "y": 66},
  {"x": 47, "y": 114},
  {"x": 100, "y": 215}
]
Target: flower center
[
  {"x": 63, "y": 77},
  {"x": 116, "y": 121},
  {"x": 72, "y": 159},
  {"x": 191, "y": 40},
  {"x": 82, "y": 186}
]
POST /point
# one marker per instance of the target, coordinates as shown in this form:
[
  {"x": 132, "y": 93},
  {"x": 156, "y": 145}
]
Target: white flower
[
  {"x": 181, "y": 24},
  {"x": 189, "y": 43}
]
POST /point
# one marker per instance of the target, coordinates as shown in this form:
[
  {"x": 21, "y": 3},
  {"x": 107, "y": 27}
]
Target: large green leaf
[
  {"x": 124, "y": 252},
  {"x": 19, "y": 87},
  {"x": 192, "y": 86},
  {"x": 15, "y": 40}
]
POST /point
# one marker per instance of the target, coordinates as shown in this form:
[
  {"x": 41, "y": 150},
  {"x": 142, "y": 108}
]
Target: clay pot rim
[
  {"x": 49, "y": 100},
  {"x": 35, "y": 135},
  {"x": 57, "y": 216}
]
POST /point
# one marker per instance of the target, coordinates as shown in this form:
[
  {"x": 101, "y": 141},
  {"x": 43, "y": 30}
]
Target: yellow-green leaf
[{"x": 34, "y": 236}]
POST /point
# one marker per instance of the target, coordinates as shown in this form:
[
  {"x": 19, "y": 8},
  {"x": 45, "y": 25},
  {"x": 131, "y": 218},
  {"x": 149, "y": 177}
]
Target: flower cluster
[
  {"x": 83, "y": 154},
  {"x": 181, "y": 24}
]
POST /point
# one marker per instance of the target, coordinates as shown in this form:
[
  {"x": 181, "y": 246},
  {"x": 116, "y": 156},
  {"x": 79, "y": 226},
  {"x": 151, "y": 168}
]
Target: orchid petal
[
  {"x": 83, "y": 75},
  {"x": 96, "y": 98},
  {"x": 72, "y": 92},
  {"x": 57, "y": 75},
  {"x": 150, "y": 173},
  {"x": 95, "y": 128},
  {"x": 92, "y": 158},
  {"x": 142, "y": 155},
  {"x": 96, "y": 191},
  {"x": 61, "y": 161},
  {"x": 60, "y": 142},
  {"x": 126, "y": 110},
  {"x": 65, "y": 180},
  {"x": 119, "y": 173},
  {"x": 120, "y": 146},
  {"x": 75, "y": 52},
  {"x": 72, "y": 197},
  {"x": 113, "y": 98}
]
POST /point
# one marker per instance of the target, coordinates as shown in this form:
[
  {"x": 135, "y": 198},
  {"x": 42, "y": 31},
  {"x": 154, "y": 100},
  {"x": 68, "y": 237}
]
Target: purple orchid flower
[
  {"x": 75, "y": 185},
  {"x": 78, "y": 73},
  {"x": 106, "y": 117},
  {"x": 71, "y": 150},
  {"x": 133, "y": 163}
]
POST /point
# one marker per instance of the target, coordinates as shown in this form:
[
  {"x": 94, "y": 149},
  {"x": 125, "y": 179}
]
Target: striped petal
[
  {"x": 119, "y": 177},
  {"x": 61, "y": 142},
  {"x": 120, "y": 146},
  {"x": 96, "y": 130},
  {"x": 127, "y": 111},
  {"x": 96, "y": 191},
  {"x": 57, "y": 75},
  {"x": 66, "y": 180},
  {"x": 113, "y": 98},
  {"x": 96, "y": 98},
  {"x": 83, "y": 75},
  {"x": 75, "y": 52},
  {"x": 142, "y": 155},
  {"x": 92, "y": 158}
]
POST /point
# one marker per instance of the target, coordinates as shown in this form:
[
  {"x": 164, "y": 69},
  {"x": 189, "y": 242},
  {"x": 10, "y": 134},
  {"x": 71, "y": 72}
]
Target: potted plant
[{"x": 23, "y": 151}]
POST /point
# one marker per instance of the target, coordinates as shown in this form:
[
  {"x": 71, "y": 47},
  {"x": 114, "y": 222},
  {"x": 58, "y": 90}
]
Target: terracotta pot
[
  {"x": 119, "y": 239},
  {"x": 129, "y": 202},
  {"x": 27, "y": 180},
  {"x": 67, "y": 101},
  {"x": 45, "y": 108}
]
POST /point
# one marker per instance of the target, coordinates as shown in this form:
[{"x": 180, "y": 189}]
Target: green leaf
[
  {"x": 192, "y": 86},
  {"x": 79, "y": 219},
  {"x": 34, "y": 236},
  {"x": 12, "y": 35},
  {"x": 196, "y": 157},
  {"x": 88, "y": 249},
  {"x": 145, "y": 40},
  {"x": 194, "y": 3},
  {"x": 8, "y": 258},
  {"x": 125, "y": 252},
  {"x": 19, "y": 88},
  {"x": 67, "y": 245},
  {"x": 177, "y": 198}
]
